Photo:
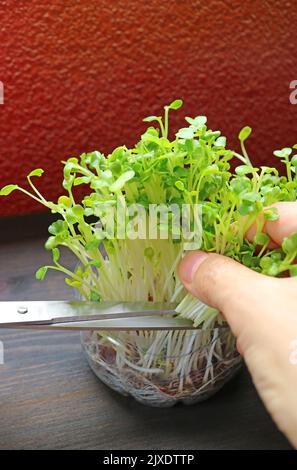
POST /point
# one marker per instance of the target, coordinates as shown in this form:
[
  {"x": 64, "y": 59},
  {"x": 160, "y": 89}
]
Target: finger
[
  {"x": 242, "y": 295},
  {"x": 281, "y": 228}
]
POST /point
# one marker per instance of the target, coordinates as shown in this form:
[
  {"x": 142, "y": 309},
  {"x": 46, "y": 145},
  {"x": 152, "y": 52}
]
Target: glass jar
[{"x": 162, "y": 368}]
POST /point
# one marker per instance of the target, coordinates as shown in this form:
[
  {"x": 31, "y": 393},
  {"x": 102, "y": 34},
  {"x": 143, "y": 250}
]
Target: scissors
[{"x": 85, "y": 315}]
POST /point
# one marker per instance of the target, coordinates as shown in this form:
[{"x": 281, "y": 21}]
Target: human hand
[{"x": 262, "y": 313}]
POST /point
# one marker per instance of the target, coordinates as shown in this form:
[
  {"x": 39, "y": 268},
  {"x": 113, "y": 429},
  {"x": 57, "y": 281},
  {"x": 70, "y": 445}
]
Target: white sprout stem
[{"x": 169, "y": 355}]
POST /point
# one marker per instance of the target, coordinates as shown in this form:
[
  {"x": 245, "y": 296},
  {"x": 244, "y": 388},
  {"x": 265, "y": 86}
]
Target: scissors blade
[
  {"x": 21, "y": 314},
  {"x": 120, "y": 324}
]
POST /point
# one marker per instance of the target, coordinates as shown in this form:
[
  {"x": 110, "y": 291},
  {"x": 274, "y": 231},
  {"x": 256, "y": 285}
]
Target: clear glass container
[{"x": 162, "y": 368}]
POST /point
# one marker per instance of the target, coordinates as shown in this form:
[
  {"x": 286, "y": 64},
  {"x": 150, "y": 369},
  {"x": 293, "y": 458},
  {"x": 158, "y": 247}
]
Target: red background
[{"x": 81, "y": 75}]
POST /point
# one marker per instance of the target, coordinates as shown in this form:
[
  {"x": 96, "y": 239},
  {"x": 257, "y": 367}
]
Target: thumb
[{"x": 242, "y": 295}]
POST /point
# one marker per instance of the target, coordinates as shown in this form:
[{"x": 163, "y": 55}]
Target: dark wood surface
[{"x": 50, "y": 399}]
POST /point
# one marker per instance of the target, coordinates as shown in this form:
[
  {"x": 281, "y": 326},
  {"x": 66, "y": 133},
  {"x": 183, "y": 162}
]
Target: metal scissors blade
[{"x": 81, "y": 315}]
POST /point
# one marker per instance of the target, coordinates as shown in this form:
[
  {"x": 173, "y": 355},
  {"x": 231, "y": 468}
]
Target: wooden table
[{"x": 50, "y": 399}]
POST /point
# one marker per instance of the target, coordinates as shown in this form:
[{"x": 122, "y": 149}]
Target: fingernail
[{"x": 190, "y": 264}]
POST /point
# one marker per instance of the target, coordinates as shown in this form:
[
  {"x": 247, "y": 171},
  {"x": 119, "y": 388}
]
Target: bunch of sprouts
[{"x": 193, "y": 169}]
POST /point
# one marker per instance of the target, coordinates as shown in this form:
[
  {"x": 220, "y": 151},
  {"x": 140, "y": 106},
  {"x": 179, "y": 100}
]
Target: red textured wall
[{"x": 80, "y": 75}]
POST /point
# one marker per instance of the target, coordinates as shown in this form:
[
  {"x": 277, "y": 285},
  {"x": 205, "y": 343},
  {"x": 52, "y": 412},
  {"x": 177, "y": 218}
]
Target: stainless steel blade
[
  {"x": 117, "y": 324},
  {"x": 53, "y": 312}
]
